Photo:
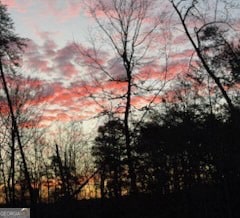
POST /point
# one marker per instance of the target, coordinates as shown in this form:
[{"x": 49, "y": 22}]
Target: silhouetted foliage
[
  {"x": 11, "y": 47},
  {"x": 184, "y": 161},
  {"x": 110, "y": 156}
]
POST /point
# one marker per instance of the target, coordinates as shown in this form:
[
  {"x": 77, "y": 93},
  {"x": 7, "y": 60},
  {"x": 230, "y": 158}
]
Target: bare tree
[
  {"x": 128, "y": 28},
  {"x": 22, "y": 93},
  {"x": 10, "y": 51}
]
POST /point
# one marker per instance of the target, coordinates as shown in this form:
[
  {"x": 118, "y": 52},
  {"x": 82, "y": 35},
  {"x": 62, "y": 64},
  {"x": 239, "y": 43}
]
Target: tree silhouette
[
  {"x": 205, "y": 36},
  {"x": 110, "y": 154},
  {"x": 178, "y": 150},
  {"x": 10, "y": 52},
  {"x": 129, "y": 39}
]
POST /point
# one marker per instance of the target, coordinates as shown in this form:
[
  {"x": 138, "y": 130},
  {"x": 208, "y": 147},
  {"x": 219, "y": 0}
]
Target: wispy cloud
[
  {"x": 20, "y": 6},
  {"x": 60, "y": 9}
]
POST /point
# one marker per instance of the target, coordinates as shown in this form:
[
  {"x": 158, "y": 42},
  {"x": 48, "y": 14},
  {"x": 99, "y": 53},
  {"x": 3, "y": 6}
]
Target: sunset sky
[{"x": 52, "y": 27}]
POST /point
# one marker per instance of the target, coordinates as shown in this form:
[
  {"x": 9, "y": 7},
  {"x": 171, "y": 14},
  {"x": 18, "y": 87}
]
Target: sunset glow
[
  {"x": 120, "y": 107},
  {"x": 54, "y": 62}
]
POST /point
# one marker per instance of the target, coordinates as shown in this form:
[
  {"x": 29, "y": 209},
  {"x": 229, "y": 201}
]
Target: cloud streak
[{"x": 73, "y": 101}]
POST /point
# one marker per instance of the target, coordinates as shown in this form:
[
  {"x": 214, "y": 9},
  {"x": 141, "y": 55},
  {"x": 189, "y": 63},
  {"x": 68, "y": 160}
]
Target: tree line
[{"x": 189, "y": 139}]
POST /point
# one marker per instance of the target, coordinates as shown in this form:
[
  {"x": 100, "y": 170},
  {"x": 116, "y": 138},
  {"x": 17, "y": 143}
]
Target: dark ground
[{"x": 199, "y": 202}]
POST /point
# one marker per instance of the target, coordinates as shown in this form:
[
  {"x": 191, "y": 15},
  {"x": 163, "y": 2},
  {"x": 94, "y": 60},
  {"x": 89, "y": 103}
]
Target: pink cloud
[
  {"x": 69, "y": 70},
  {"x": 9, "y": 3},
  {"x": 20, "y": 6},
  {"x": 49, "y": 48},
  {"x": 46, "y": 35},
  {"x": 63, "y": 10},
  {"x": 180, "y": 39},
  {"x": 149, "y": 72},
  {"x": 183, "y": 55},
  {"x": 74, "y": 103},
  {"x": 63, "y": 117},
  {"x": 88, "y": 56},
  {"x": 50, "y": 59},
  {"x": 39, "y": 65},
  {"x": 140, "y": 101},
  {"x": 66, "y": 53},
  {"x": 69, "y": 102},
  {"x": 34, "y": 59},
  {"x": 64, "y": 60}
]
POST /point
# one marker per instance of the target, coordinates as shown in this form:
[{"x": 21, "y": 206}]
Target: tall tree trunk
[
  {"x": 13, "y": 166},
  {"x": 16, "y": 131},
  {"x": 4, "y": 179},
  {"x": 61, "y": 170},
  {"x": 102, "y": 183},
  {"x": 132, "y": 175}
]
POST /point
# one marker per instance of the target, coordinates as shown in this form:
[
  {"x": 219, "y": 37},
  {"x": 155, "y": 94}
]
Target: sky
[{"x": 53, "y": 28}]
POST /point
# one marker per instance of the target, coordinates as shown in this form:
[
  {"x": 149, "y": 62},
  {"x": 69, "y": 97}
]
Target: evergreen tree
[{"x": 110, "y": 153}]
